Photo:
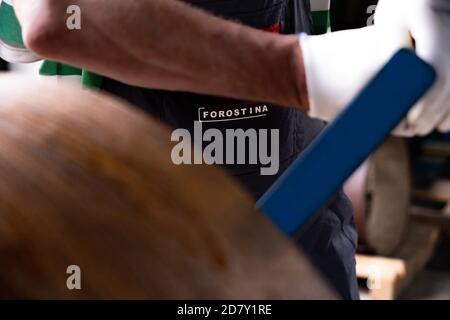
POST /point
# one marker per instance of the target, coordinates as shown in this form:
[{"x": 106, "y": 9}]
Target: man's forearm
[{"x": 167, "y": 44}]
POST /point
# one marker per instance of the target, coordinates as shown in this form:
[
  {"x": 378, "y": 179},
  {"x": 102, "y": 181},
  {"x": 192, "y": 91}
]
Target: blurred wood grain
[{"x": 87, "y": 180}]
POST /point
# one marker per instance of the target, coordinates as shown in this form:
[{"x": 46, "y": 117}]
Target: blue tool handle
[{"x": 323, "y": 168}]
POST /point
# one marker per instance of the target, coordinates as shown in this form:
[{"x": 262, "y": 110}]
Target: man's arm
[{"x": 167, "y": 44}]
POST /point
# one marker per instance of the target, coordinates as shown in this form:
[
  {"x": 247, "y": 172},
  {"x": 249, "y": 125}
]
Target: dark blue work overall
[{"x": 330, "y": 241}]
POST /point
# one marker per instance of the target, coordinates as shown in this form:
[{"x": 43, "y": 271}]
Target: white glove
[
  {"x": 340, "y": 64},
  {"x": 428, "y": 23}
]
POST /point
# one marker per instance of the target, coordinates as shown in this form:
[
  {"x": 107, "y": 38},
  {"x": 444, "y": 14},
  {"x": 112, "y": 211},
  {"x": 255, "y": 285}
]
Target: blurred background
[{"x": 401, "y": 199}]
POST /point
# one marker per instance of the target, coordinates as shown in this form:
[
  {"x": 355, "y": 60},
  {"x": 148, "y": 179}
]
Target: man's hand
[
  {"x": 427, "y": 23},
  {"x": 167, "y": 44}
]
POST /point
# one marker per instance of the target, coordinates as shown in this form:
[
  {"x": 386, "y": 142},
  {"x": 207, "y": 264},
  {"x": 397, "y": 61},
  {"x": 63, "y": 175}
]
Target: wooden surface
[
  {"x": 388, "y": 276},
  {"x": 87, "y": 181}
]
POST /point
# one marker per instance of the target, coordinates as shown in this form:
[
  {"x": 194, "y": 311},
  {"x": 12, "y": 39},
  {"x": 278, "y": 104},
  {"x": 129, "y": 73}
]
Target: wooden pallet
[{"x": 387, "y": 276}]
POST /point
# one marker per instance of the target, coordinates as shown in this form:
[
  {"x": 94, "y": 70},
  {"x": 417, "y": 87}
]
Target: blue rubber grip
[{"x": 323, "y": 168}]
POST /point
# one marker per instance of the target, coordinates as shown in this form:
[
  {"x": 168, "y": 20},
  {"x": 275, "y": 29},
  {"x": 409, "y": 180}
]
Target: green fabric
[
  {"x": 321, "y": 21},
  {"x": 88, "y": 79},
  {"x": 10, "y": 30},
  {"x": 91, "y": 80},
  {"x": 50, "y": 68}
]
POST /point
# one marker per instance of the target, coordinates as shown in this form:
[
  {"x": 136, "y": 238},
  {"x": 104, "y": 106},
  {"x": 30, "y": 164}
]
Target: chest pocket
[{"x": 182, "y": 109}]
